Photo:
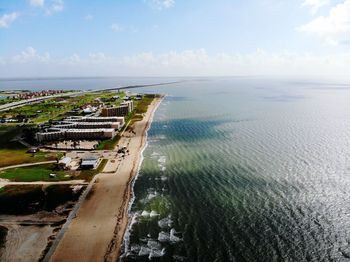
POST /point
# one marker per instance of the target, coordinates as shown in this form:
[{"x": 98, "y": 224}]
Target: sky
[{"x": 50, "y": 38}]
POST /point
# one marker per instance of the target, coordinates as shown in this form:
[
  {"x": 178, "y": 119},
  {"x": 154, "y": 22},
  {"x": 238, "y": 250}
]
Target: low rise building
[
  {"x": 64, "y": 162},
  {"x": 76, "y": 134},
  {"x": 89, "y": 163}
]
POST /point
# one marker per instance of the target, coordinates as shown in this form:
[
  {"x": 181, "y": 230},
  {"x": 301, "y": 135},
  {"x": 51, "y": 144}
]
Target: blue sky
[{"x": 174, "y": 37}]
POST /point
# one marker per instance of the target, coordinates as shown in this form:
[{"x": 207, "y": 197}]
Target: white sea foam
[
  {"x": 162, "y": 159},
  {"x": 153, "y": 244},
  {"x": 163, "y": 237},
  {"x": 144, "y": 251},
  {"x": 156, "y": 253},
  {"x": 165, "y": 222},
  {"x": 152, "y": 195},
  {"x": 155, "y": 154},
  {"x": 145, "y": 213},
  {"x": 174, "y": 238},
  {"x": 153, "y": 214}
]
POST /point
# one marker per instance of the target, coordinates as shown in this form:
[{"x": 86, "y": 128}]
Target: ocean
[{"x": 240, "y": 169}]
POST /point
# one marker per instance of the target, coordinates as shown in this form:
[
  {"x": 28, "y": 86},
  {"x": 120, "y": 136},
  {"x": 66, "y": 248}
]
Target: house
[
  {"x": 89, "y": 163},
  {"x": 64, "y": 162}
]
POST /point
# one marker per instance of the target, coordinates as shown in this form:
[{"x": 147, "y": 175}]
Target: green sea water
[{"x": 244, "y": 170}]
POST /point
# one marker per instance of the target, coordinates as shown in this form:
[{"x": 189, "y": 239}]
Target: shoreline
[
  {"x": 133, "y": 181},
  {"x": 97, "y": 232}
]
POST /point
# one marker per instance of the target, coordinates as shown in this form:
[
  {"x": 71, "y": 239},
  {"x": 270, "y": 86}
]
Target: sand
[
  {"x": 25, "y": 243},
  {"x": 96, "y": 234}
]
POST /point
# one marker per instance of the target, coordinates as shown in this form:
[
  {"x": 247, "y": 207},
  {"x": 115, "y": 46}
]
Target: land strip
[{"x": 96, "y": 233}]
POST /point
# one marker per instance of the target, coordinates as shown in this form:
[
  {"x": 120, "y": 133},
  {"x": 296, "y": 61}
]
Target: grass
[
  {"x": 14, "y": 153},
  {"x": 29, "y": 199},
  {"x": 109, "y": 144},
  {"x": 42, "y": 173},
  {"x": 34, "y": 173},
  {"x": 58, "y": 108}
]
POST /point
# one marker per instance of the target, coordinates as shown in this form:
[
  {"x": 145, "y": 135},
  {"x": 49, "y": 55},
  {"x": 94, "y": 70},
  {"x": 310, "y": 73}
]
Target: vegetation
[
  {"x": 58, "y": 108},
  {"x": 3, "y": 234},
  {"x": 42, "y": 173},
  {"x": 12, "y": 152},
  {"x": 35, "y": 173},
  {"x": 29, "y": 199}
]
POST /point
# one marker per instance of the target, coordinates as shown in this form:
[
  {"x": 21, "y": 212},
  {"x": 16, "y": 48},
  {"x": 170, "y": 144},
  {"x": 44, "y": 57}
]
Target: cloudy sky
[{"x": 174, "y": 37}]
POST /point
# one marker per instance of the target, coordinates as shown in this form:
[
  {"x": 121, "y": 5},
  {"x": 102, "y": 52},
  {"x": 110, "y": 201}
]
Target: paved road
[{"x": 29, "y": 164}]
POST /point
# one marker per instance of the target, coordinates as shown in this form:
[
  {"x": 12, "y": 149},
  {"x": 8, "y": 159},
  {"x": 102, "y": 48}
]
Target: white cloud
[
  {"x": 116, "y": 28},
  {"x": 7, "y": 19},
  {"x": 161, "y": 4},
  {"x": 54, "y": 6},
  {"x": 333, "y": 27},
  {"x": 315, "y": 5},
  {"x": 37, "y": 3},
  {"x": 173, "y": 63},
  {"x": 30, "y": 55}
]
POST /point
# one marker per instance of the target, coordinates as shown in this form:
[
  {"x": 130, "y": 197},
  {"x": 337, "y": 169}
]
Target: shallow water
[{"x": 245, "y": 170}]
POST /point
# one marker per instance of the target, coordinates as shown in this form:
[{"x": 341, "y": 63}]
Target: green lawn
[
  {"x": 42, "y": 173},
  {"x": 34, "y": 173},
  {"x": 14, "y": 153}
]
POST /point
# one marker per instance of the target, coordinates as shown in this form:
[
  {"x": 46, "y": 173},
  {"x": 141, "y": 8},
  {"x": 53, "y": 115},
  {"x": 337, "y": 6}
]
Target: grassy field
[
  {"x": 34, "y": 173},
  {"x": 42, "y": 173},
  {"x": 58, "y": 108},
  {"x": 14, "y": 153}
]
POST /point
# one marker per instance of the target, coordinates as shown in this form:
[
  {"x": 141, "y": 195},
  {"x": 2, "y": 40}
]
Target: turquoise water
[{"x": 245, "y": 170}]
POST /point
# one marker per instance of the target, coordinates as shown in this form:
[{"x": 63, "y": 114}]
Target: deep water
[{"x": 245, "y": 170}]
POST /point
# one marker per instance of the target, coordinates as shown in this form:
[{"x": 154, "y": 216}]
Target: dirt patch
[{"x": 25, "y": 243}]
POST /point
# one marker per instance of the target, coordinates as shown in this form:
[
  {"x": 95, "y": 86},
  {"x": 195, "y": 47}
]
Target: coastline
[
  {"x": 133, "y": 181},
  {"x": 97, "y": 231}
]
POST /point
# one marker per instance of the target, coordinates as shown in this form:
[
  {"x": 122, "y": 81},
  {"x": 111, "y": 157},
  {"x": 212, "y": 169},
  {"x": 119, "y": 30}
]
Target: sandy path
[
  {"x": 96, "y": 233},
  {"x": 69, "y": 182},
  {"x": 25, "y": 243}
]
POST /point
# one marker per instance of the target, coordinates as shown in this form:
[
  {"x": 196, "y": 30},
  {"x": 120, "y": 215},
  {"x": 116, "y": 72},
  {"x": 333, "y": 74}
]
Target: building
[
  {"x": 118, "y": 119},
  {"x": 64, "y": 162},
  {"x": 130, "y": 104},
  {"x": 82, "y": 128},
  {"x": 89, "y": 163},
  {"x": 123, "y": 110},
  {"x": 84, "y": 125},
  {"x": 76, "y": 134}
]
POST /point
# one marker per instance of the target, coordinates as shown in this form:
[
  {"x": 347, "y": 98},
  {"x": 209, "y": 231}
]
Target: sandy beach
[{"x": 96, "y": 233}]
